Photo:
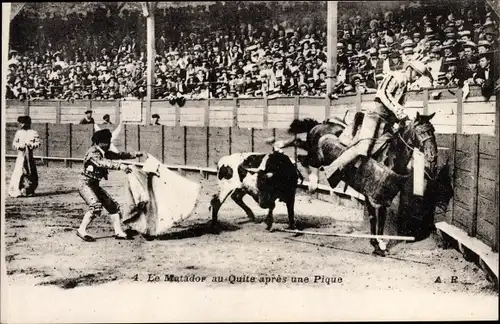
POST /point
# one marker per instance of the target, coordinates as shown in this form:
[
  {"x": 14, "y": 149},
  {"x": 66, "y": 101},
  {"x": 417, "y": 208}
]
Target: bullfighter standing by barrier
[
  {"x": 96, "y": 163},
  {"x": 24, "y": 180}
]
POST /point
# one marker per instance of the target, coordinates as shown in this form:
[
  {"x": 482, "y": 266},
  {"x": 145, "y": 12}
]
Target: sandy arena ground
[{"x": 45, "y": 258}]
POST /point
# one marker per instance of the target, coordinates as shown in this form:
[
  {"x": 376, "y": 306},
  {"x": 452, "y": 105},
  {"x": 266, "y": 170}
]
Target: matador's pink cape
[{"x": 157, "y": 198}]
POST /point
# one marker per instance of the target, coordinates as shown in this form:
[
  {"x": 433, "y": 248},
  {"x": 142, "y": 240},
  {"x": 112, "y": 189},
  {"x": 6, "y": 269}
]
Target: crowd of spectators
[{"x": 243, "y": 50}]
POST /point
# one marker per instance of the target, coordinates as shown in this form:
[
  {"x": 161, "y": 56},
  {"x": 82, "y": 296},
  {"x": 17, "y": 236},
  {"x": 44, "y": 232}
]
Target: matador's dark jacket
[{"x": 96, "y": 162}]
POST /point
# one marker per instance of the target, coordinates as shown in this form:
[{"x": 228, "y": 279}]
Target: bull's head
[
  {"x": 254, "y": 171},
  {"x": 259, "y": 184},
  {"x": 275, "y": 177}
]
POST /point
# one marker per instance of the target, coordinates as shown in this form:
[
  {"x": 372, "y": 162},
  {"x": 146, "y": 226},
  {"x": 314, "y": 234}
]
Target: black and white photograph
[{"x": 239, "y": 161}]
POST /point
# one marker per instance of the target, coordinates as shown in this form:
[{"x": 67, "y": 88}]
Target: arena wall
[
  {"x": 471, "y": 160},
  {"x": 475, "y": 115}
]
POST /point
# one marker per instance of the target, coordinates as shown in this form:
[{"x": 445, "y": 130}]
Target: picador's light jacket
[{"x": 391, "y": 92}]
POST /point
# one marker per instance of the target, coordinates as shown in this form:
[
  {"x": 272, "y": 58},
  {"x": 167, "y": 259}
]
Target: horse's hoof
[{"x": 291, "y": 227}]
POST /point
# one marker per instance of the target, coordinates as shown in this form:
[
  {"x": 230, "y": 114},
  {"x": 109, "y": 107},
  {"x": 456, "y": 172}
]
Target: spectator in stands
[
  {"x": 88, "y": 118},
  {"x": 99, "y": 66},
  {"x": 106, "y": 120},
  {"x": 485, "y": 76},
  {"x": 156, "y": 119}
]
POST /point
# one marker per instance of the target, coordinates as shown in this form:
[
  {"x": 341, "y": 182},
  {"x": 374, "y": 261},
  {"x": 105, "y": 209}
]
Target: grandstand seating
[{"x": 245, "y": 50}]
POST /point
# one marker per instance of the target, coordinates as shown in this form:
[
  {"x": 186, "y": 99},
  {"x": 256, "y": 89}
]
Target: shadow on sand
[
  {"x": 54, "y": 193},
  {"x": 197, "y": 230}
]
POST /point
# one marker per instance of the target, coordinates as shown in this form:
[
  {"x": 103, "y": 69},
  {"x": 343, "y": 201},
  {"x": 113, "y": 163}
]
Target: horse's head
[{"x": 419, "y": 134}]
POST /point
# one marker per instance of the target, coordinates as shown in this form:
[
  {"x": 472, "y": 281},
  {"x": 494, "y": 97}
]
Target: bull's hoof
[
  {"x": 292, "y": 227},
  {"x": 215, "y": 227},
  {"x": 269, "y": 226}
]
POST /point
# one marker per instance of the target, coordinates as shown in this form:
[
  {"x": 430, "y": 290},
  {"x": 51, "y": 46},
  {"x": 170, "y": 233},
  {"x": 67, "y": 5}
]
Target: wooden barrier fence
[
  {"x": 474, "y": 170},
  {"x": 475, "y": 115},
  {"x": 472, "y": 160}
]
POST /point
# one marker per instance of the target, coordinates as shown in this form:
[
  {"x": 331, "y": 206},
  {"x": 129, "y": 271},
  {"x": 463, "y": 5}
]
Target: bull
[{"x": 265, "y": 177}]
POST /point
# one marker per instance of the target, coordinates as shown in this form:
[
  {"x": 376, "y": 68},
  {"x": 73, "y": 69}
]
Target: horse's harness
[{"x": 424, "y": 133}]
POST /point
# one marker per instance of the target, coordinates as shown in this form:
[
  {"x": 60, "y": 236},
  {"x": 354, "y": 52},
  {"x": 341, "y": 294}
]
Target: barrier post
[
  {"x": 460, "y": 111},
  {"x": 207, "y": 114},
  {"x": 230, "y": 140},
  {"x": 235, "y": 112},
  {"x": 426, "y": 102},
  {"x": 117, "y": 110},
  {"x": 185, "y": 145},
  {"x": 148, "y": 112},
  {"x": 70, "y": 153},
  {"x": 296, "y": 115},
  {"x": 454, "y": 173},
  {"x": 475, "y": 184},
  {"x": 163, "y": 143},
  {"x": 207, "y": 145},
  {"x": 27, "y": 108},
  {"x": 453, "y": 150},
  {"x": 253, "y": 139},
  {"x": 327, "y": 107},
  {"x": 497, "y": 133},
  {"x": 47, "y": 142},
  {"x": 265, "y": 120},
  {"x": 58, "y": 112},
  {"x": 177, "y": 116}
]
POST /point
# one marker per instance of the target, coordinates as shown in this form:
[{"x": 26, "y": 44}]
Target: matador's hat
[
  {"x": 24, "y": 119},
  {"x": 102, "y": 136}
]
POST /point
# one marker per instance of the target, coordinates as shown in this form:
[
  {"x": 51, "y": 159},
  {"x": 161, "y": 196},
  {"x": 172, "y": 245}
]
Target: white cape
[{"x": 157, "y": 198}]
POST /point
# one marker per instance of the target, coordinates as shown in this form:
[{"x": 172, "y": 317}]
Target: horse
[{"x": 379, "y": 177}]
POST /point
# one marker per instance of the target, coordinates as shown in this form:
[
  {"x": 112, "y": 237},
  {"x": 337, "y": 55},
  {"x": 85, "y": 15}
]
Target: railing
[{"x": 453, "y": 115}]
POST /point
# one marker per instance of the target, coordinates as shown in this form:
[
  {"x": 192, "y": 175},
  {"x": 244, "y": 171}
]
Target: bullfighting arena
[{"x": 46, "y": 258}]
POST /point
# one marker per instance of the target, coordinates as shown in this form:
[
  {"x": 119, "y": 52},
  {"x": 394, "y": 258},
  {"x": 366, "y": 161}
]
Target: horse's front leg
[
  {"x": 373, "y": 223},
  {"x": 377, "y": 223},
  {"x": 381, "y": 216},
  {"x": 313, "y": 175}
]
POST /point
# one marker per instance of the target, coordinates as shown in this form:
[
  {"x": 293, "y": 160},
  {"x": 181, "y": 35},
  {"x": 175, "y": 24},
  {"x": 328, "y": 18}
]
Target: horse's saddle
[
  {"x": 350, "y": 135},
  {"x": 374, "y": 178}
]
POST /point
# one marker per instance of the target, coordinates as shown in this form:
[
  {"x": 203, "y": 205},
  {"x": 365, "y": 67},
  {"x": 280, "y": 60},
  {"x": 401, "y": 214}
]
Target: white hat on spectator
[
  {"x": 464, "y": 33},
  {"x": 372, "y": 51},
  {"x": 484, "y": 43},
  {"x": 469, "y": 44},
  {"x": 197, "y": 47},
  {"x": 408, "y": 43},
  {"x": 408, "y": 50},
  {"x": 488, "y": 22},
  {"x": 340, "y": 45},
  {"x": 252, "y": 48}
]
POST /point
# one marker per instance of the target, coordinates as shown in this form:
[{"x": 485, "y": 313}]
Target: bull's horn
[{"x": 252, "y": 170}]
